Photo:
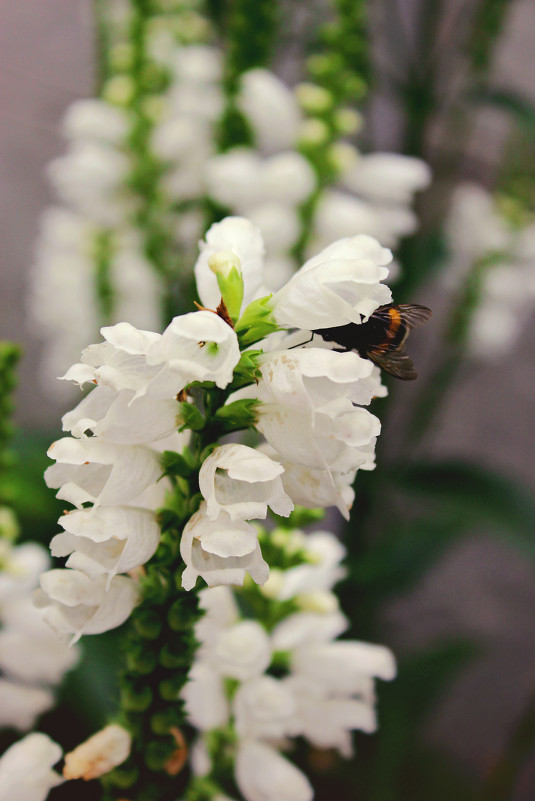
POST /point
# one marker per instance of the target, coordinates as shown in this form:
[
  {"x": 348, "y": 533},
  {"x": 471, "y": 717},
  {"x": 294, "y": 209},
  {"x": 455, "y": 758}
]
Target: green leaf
[
  {"x": 238, "y": 415},
  {"x": 190, "y": 417},
  {"x": 176, "y": 464},
  {"x": 256, "y": 322},
  {"x": 246, "y": 371}
]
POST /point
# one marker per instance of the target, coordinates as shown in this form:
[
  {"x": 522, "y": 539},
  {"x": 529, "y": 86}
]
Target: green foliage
[
  {"x": 237, "y": 415},
  {"x": 182, "y": 464},
  {"x": 247, "y": 370},
  {"x": 256, "y": 322},
  {"x": 190, "y": 417}
]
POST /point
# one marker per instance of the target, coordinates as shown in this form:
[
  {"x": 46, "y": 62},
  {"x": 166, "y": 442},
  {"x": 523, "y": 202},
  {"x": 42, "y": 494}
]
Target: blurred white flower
[
  {"x": 271, "y": 109},
  {"x": 241, "y": 651},
  {"x": 33, "y": 659},
  {"x": 262, "y": 774},
  {"x": 388, "y": 177},
  {"x": 92, "y": 118},
  {"x": 26, "y": 768},
  {"x": 264, "y": 707}
]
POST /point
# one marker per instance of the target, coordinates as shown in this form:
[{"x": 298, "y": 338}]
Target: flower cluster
[
  {"x": 492, "y": 246},
  {"x": 33, "y": 659},
  {"x": 307, "y": 402},
  {"x": 256, "y": 684},
  {"x": 142, "y": 168}
]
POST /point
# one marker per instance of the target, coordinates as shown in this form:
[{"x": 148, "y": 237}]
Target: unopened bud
[
  {"x": 272, "y": 587},
  {"x": 343, "y": 156},
  {"x": 313, "y": 99},
  {"x": 222, "y": 263},
  {"x": 313, "y": 132},
  {"x": 347, "y": 121},
  {"x": 320, "y": 601},
  {"x": 119, "y": 90}
]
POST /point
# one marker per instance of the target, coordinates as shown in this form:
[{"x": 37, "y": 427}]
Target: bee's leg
[{"x": 300, "y": 344}]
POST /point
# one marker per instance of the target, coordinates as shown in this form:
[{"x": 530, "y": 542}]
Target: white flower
[
  {"x": 264, "y": 707},
  {"x": 339, "y": 667},
  {"x": 304, "y": 628},
  {"x": 21, "y": 566},
  {"x": 29, "y": 651},
  {"x": 204, "y": 696},
  {"x": 316, "y": 488},
  {"x": 120, "y": 363},
  {"x": 339, "y": 214},
  {"x": 271, "y": 109},
  {"x": 198, "y": 346},
  {"x": 474, "y": 227},
  {"x": 338, "y": 436},
  {"x": 241, "y": 651},
  {"x": 107, "y": 540},
  {"x": 262, "y": 774},
  {"x": 121, "y": 417},
  {"x": 338, "y": 286},
  {"x": 326, "y": 721},
  {"x": 388, "y": 177},
  {"x": 75, "y": 604},
  {"x": 220, "y": 611},
  {"x": 309, "y": 378},
  {"x": 100, "y": 472},
  {"x": 89, "y": 178},
  {"x": 21, "y": 705},
  {"x": 92, "y": 118},
  {"x": 99, "y": 754},
  {"x": 26, "y": 769},
  {"x": 252, "y": 482},
  {"x": 220, "y": 551},
  {"x": 241, "y": 237}
]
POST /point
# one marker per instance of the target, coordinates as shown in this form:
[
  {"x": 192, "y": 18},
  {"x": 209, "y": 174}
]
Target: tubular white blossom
[
  {"x": 199, "y": 346},
  {"x": 100, "y": 472},
  {"x": 107, "y": 540},
  {"x": 251, "y": 484},
  {"x": 75, "y": 604},
  {"x": 221, "y": 551},
  {"x": 338, "y": 286}
]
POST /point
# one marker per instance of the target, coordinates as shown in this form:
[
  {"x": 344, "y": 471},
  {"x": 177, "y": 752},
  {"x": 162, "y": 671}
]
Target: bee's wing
[
  {"x": 413, "y": 314},
  {"x": 395, "y": 362}
]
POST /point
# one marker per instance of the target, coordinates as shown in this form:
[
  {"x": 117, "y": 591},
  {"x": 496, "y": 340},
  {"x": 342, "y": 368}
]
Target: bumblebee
[{"x": 382, "y": 337}]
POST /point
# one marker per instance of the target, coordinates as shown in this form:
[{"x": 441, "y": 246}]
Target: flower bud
[
  {"x": 313, "y": 133},
  {"x": 313, "y": 99}
]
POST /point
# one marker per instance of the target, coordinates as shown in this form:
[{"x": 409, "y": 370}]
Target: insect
[{"x": 382, "y": 337}]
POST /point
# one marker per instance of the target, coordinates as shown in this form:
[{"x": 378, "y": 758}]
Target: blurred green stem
[{"x": 503, "y": 777}]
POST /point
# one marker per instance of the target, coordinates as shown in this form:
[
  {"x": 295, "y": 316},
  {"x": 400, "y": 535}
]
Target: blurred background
[{"x": 465, "y": 616}]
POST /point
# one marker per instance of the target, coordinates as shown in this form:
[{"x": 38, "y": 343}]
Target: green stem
[{"x": 160, "y": 643}]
